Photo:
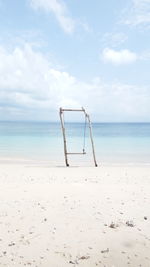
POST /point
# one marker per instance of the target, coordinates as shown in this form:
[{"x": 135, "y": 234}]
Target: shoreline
[{"x": 82, "y": 163}]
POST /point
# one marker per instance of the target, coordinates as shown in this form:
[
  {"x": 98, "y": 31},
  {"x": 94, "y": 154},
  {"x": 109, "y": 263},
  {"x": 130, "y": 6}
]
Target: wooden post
[
  {"x": 91, "y": 136},
  {"x": 64, "y": 137}
]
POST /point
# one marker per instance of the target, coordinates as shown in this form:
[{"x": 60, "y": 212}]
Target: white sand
[{"x": 56, "y": 217}]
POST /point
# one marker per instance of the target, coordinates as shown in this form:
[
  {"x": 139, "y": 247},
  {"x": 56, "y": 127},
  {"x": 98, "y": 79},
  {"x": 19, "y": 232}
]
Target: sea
[{"x": 42, "y": 142}]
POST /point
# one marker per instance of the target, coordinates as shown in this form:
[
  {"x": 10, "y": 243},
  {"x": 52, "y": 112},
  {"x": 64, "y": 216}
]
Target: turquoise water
[{"x": 114, "y": 142}]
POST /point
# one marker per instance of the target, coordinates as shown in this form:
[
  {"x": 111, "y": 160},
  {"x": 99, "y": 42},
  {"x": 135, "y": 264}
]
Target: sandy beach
[{"x": 77, "y": 216}]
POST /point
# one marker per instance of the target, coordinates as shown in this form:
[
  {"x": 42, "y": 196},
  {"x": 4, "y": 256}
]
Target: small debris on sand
[
  {"x": 11, "y": 244},
  {"x": 130, "y": 223},
  {"x": 105, "y": 251},
  {"x": 145, "y": 218},
  {"x": 71, "y": 262},
  {"x": 84, "y": 257},
  {"x": 113, "y": 225}
]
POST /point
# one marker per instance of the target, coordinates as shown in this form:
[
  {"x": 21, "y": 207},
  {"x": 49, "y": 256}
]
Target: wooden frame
[{"x": 66, "y": 153}]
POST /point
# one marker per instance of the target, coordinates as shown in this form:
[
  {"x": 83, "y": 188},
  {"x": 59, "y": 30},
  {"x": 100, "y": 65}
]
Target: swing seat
[{"x": 77, "y": 153}]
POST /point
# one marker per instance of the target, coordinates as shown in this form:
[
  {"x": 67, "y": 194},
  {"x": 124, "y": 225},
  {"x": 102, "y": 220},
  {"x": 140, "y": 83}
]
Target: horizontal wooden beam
[
  {"x": 78, "y": 153},
  {"x": 66, "y": 109}
]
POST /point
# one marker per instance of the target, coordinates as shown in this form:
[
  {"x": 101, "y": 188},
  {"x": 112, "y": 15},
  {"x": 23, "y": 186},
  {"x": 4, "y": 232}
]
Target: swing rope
[
  {"x": 64, "y": 118},
  {"x": 84, "y": 135}
]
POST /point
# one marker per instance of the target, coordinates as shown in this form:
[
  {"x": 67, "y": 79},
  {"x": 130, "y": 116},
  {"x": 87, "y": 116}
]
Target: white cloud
[
  {"x": 59, "y": 9},
  {"x": 138, "y": 14},
  {"x": 32, "y": 88},
  {"x": 118, "y": 57}
]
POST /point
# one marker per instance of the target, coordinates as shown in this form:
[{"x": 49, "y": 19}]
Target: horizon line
[{"x": 57, "y": 121}]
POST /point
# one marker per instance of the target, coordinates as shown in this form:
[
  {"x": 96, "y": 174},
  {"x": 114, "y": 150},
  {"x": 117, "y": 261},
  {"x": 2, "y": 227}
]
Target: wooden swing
[{"x": 87, "y": 120}]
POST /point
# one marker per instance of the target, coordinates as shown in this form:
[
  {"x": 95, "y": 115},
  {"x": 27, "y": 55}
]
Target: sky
[{"x": 72, "y": 54}]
